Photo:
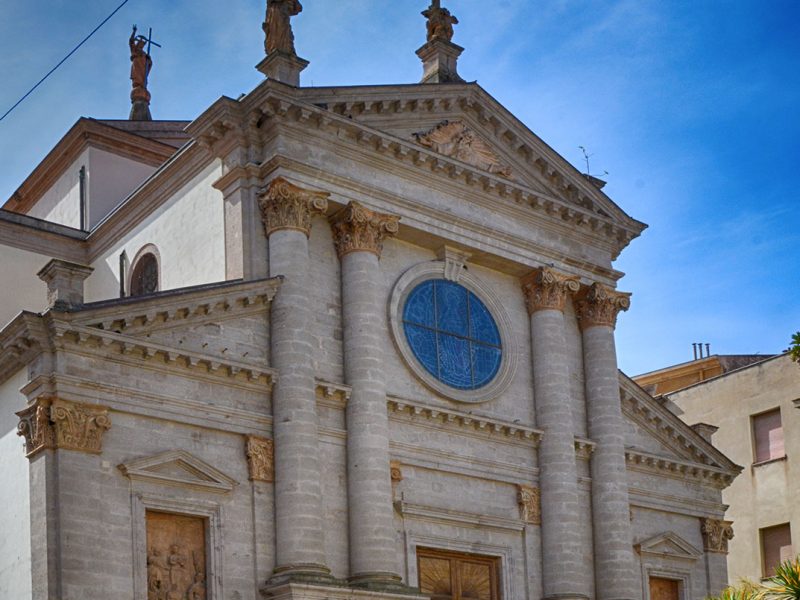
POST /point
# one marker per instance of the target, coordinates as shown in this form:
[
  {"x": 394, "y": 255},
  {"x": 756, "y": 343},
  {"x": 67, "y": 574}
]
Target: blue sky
[{"x": 693, "y": 108}]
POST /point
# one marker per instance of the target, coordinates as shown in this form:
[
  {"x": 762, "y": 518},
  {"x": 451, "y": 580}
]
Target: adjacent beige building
[
  {"x": 342, "y": 343},
  {"x": 754, "y": 409}
]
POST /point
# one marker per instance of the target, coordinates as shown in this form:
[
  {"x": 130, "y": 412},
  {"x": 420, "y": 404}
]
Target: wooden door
[
  {"x": 457, "y": 576},
  {"x": 664, "y": 589}
]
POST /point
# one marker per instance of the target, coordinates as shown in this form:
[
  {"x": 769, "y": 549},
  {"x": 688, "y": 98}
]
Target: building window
[
  {"x": 776, "y": 547},
  {"x": 768, "y": 436},
  {"x": 452, "y": 334},
  {"x": 144, "y": 275},
  {"x": 455, "y": 576}
]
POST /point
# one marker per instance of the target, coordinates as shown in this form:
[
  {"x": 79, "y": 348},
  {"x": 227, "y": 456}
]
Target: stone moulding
[
  {"x": 287, "y": 206},
  {"x": 716, "y": 535},
  {"x": 181, "y": 469},
  {"x": 462, "y": 420},
  {"x": 359, "y": 229},
  {"x": 430, "y": 513},
  {"x": 530, "y": 505},
  {"x": 53, "y": 423},
  {"x": 668, "y": 545},
  {"x": 260, "y": 454},
  {"x": 584, "y": 448},
  {"x": 662, "y": 465}
]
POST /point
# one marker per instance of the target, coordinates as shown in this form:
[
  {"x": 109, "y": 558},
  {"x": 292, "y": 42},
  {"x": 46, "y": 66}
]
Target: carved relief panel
[{"x": 176, "y": 557}]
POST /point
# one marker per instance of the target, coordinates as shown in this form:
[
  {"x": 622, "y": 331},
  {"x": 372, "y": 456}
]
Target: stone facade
[{"x": 285, "y": 409}]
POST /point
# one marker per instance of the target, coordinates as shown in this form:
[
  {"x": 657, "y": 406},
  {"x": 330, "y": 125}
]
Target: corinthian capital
[
  {"x": 600, "y": 305},
  {"x": 359, "y": 229},
  {"x": 546, "y": 289},
  {"x": 260, "y": 458},
  {"x": 287, "y": 206},
  {"x": 716, "y": 535},
  {"x": 52, "y": 423}
]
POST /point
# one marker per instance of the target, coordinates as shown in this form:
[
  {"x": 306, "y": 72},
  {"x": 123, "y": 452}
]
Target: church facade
[{"x": 334, "y": 343}]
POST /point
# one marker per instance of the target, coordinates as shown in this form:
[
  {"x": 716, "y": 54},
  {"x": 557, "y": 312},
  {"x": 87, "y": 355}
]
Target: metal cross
[{"x": 149, "y": 40}]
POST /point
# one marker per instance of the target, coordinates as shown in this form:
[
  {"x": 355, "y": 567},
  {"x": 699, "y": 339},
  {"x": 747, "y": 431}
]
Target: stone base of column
[
  {"x": 308, "y": 573},
  {"x": 382, "y": 582},
  {"x": 302, "y": 591},
  {"x": 566, "y": 597}
]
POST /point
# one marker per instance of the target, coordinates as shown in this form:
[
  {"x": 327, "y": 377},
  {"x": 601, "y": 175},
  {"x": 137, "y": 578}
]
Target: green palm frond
[{"x": 785, "y": 584}]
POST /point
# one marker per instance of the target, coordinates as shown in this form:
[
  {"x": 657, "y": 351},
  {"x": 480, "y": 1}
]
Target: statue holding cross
[{"x": 141, "y": 65}]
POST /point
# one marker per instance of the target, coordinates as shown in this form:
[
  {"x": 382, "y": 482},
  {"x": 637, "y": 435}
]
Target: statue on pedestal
[
  {"x": 440, "y": 22},
  {"x": 141, "y": 64},
  {"x": 278, "y": 26}
]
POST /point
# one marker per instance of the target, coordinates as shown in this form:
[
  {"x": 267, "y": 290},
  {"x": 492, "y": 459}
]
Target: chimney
[{"x": 64, "y": 283}]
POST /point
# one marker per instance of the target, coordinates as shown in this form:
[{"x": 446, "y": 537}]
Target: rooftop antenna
[{"x": 586, "y": 157}]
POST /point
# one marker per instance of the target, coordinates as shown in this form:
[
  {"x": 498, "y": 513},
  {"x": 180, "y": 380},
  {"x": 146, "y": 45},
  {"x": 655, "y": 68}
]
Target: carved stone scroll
[
  {"x": 530, "y": 505},
  {"x": 396, "y": 471},
  {"x": 546, "y": 289},
  {"x": 599, "y": 305},
  {"x": 716, "y": 535},
  {"x": 456, "y": 140},
  {"x": 56, "y": 423},
  {"x": 176, "y": 557},
  {"x": 359, "y": 229},
  {"x": 35, "y": 426},
  {"x": 260, "y": 458},
  {"x": 79, "y": 426},
  {"x": 287, "y": 206}
]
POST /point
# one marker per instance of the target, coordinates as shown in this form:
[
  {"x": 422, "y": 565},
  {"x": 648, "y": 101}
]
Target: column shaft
[
  {"x": 615, "y": 569},
  {"x": 546, "y": 292}
]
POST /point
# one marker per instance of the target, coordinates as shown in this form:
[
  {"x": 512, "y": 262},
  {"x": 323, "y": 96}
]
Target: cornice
[
  {"x": 463, "y": 519},
  {"x": 85, "y": 133},
  {"x": 667, "y": 427},
  {"x": 273, "y": 102},
  {"x": 449, "y": 418},
  {"x": 42, "y": 237},
  {"x": 678, "y": 469},
  {"x": 22, "y": 340},
  {"x": 420, "y": 225}
]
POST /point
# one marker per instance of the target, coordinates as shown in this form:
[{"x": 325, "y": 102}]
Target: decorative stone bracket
[
  {"x": 716, "y": 535},
  {"x": 53, "y": 423},
  {"x": 530, "y": 504},
  {"x": 260, "y": 458}
]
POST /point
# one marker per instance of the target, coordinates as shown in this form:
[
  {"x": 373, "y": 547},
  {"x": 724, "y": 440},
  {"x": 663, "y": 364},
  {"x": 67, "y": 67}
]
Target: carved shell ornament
[{"x": 456, "y": 140}]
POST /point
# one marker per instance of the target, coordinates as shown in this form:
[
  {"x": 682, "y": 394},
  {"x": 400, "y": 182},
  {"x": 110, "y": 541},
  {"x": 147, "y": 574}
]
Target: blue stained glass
[
  {"x": 419, "y": 306},
  {"x": 482, "y": 326},
  {"x": 485, "y": 363},
  {"x": 454, "y": 361},
  {"x": 423, "y": 344},
  {"x": 452, "y": 334},
  {"x": 451, "y": 304}
]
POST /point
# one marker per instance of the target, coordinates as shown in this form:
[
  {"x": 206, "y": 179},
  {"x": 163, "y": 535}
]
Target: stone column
[
  {"x": 614, "y": 566},
  {"x": 358, "y": 235},
  {"x": 287, "y": 210},
  {"x": 546, "y": 292}
]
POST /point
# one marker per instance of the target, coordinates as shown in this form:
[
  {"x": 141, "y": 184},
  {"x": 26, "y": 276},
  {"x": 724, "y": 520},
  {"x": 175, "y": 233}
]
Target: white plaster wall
[
  {"x": 763, "y": 495},
  {"x": 22, "y": 289},
  {"x": 15, "y": 517},
  {"x": 111, "y": 178},
  {"x": 61, "y": 203},
  {"x": 189, "y": 232}
]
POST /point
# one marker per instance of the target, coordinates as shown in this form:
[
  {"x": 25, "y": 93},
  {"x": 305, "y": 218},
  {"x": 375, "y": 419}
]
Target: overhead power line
[{"x": 63, "y": 60}]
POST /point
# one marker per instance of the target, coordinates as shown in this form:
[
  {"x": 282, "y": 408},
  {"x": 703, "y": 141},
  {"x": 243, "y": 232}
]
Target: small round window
[{"x": 452, "y": 334}]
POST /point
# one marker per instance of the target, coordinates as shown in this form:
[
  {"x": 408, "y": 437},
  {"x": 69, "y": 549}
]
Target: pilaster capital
[
  {"x": 260, "y": 454},
  {"x": 286, "y": 206},
  {"x": 599, "y": 305},
  {"x": 716, "y": 535},
  {"x": 530, "y": 504},
  {"x": 53, "y": 423},
  {"x": 546, "y": 289},
  {"x": 359, "y": 229}
]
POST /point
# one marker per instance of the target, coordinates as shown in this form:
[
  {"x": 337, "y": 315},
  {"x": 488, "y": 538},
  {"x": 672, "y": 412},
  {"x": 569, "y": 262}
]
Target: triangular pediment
[
  {"x": 658, "y": 440},
  {"x": 668, "y": 545},
  {"x": 179, "y": 468}
]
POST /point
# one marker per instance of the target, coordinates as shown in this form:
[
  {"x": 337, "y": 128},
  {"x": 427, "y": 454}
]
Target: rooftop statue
[
  {"x": 440, "y": 22},
  {"x": 278, "y": 26},
  {"x": 141, "y": 63}
]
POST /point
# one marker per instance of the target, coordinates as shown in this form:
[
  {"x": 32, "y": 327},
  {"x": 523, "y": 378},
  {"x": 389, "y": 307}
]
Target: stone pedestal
[
  {"x": 615, "y": 568},
  {"x": 64, "y": 283},
  {"x": 283, "y": 67},
  {"x": 546, "y": 293},
  {"x": 287, "y": 211},
  {"x": 440, "y": 62},
  {"x": 358, "y": 235}
]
